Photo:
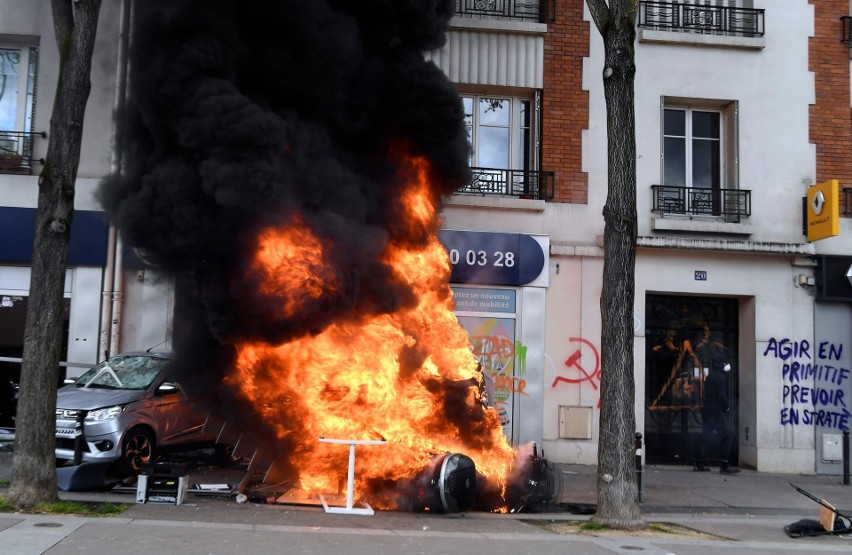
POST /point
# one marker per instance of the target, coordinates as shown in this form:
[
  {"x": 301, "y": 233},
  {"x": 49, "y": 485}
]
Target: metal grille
[
  {"x": 531, "y": 10},
  {"x": 731, "y": 203},
  {"x": 701, "y": 18},
  {"x": 526, "y": 184},
  {"x": 16, "y": 150}
]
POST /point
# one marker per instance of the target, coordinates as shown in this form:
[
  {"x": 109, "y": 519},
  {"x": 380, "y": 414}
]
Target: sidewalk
[{"x": 749, "y": 508}]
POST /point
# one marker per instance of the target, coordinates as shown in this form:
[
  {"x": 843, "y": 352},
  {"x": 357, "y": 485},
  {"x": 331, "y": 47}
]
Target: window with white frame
[
  {"x": 699, "y": 158},
  {"x": 692, "y": 143},
  {"x": 498, "y": 131},
  {"x": 501, "y": 134},
  {"x": 17, "y": 95}
]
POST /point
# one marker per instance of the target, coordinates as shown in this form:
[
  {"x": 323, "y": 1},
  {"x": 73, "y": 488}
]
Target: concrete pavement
[{"x": 746, "y": 511}]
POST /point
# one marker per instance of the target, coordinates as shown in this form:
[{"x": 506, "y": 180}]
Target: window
[
  {"x": 498, "y": 131},
  {"x": 699, "y": 160},
  {"x": 17, "y": 93},
  {"x": 692, "y": 148},
  {"x": 503, "y": 148}
]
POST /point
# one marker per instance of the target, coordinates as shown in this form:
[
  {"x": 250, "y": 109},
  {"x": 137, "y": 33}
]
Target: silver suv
[{"x": 125, "y": 410}]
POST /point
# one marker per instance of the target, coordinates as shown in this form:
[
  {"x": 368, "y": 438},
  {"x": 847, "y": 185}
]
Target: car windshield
[{"x": 123, "y": 372}]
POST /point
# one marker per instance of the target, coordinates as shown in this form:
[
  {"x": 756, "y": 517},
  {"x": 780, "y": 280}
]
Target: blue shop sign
[
  {"x": 87, "y": 245},
  {"x": 493, "y": 258}
]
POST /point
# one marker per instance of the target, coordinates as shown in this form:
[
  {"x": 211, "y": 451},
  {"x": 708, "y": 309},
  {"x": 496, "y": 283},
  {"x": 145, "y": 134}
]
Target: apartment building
[{"x": 741, "y": 106}]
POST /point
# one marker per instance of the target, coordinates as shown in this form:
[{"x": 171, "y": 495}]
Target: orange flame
[{"x": 408, "y": 377}]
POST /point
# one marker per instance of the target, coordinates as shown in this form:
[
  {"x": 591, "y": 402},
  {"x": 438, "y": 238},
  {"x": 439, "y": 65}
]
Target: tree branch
[
  {"x": 63, "y": 21},
  {"x": 600, "y": 13}
]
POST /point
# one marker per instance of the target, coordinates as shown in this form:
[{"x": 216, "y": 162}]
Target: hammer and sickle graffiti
[
  {"x": 573, "y": 361},
  {"x": 589, "y": 369}
]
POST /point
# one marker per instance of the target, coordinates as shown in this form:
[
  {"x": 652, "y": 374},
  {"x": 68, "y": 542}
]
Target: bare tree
[
  {"x": 617, "y": 493},
  {"x": 34, "y": 467}
]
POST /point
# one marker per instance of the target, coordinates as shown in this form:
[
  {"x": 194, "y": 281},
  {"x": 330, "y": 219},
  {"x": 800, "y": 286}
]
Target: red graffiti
[
  {"x": 574, "y": 362},
  {"x": 510, "y": 383}
]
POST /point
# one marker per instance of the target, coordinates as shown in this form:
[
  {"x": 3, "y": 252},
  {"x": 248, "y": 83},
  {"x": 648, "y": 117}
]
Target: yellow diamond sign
[{"x": 823, "y": 206}]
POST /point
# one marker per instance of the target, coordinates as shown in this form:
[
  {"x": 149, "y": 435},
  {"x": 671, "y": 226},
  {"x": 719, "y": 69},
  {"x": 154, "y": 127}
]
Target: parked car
[{"x": 129, "y": 409}]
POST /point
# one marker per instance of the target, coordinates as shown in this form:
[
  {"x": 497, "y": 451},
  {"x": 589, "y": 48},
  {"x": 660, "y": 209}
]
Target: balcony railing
[
  {"x": 701, "y": 18},
  {"x": 732, "y": 204},
  {"x": 541, "y": 11},
  {"x": 846, "y": 201},
  {"x": 16, "y": 151},
  {"x": 526, "y": 184},
  {"x": 846, "y": 22}
]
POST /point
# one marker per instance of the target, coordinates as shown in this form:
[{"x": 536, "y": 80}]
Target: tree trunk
[
  {"x": 33, "y": 467},
  {"x": 617, "y": 492}
]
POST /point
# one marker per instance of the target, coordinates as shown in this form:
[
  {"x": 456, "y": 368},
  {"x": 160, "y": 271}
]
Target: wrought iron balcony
[
  {"x": 526, "y": 184},
  {"x": 846, "y": 21},
  {"x": 701, "y": 18},
  {"x": 846, "y": 201},
  {"x": 541, "y": 11},
  {"x": 732, "y": 204},
  {"x": 16, "y": 151}
]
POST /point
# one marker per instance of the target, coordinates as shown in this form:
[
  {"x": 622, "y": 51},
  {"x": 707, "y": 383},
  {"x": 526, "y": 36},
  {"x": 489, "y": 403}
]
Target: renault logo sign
[
  {"x": 818, "y": 203},
  {"x": 823, "y": 217}
]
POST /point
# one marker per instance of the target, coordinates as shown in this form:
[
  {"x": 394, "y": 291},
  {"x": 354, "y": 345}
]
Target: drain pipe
[
  {"x": 117, "y": 300},
  {"x": 106, "y": 296},
  {"x": 112, "y": 296}
]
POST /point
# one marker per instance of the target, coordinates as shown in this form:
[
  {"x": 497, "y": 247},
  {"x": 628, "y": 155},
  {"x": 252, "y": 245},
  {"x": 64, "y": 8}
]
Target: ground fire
[
  {"x": 286, "y": 162},
  {"x": 408, "y": 377}
]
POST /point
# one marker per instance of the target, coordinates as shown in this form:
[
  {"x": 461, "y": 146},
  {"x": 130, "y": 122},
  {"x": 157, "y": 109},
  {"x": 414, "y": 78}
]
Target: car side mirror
[{"x": 168, "y": 387}]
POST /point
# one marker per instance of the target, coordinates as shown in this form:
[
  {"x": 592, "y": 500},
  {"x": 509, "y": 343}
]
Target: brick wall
[
  {"x": 830, "y": 117},
  {"x": 565, "y": 105}
]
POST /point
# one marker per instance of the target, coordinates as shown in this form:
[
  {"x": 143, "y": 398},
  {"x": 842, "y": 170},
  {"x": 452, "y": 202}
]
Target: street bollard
[
  {"x": 637, "y": 443},
  {"x": 79, "y": 440},
  {"x": 845, "y": 457}
]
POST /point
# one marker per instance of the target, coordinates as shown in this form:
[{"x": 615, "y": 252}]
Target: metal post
[
  {"x": 79, "y": 440},
  {"x": 845, "y": 457},
  {"x": 350, "y": 485},
  {"x": 637, "y": 443}
]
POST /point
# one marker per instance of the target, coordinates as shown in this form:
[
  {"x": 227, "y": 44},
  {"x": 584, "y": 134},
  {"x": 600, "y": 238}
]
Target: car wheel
[{"x": 137, "y": 448}]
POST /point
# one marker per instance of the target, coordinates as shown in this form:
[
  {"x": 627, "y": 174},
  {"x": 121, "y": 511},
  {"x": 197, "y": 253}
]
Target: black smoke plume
[{"x": 244, "y": 115}]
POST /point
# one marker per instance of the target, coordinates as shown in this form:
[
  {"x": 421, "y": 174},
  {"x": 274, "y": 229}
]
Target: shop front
[{"x": 499, "y": 281}]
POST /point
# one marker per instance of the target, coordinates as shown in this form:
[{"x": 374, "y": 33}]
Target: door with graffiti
[
  {"x": 687, "y": 339},
  {"x": 492, "y": 340}
]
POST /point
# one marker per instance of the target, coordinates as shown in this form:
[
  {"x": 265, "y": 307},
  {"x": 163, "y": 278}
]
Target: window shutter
[
  {"x": 662, "y": 139},
  {"x": 731, "y": 147},
  {"x": 732, "y": 160},
  {"x": 536, "y": 130}
]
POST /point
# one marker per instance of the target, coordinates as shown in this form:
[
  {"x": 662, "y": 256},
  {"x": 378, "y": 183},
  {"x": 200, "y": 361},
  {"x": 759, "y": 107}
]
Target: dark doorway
[
  {"x": 13, "y": 314},
  {"x": 685, "y": 339}
]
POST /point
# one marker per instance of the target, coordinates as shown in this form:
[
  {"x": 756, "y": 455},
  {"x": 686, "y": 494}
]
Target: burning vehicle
[
  {"x": 124, "y": 411},
  {"x": 286, "y": 163}
]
